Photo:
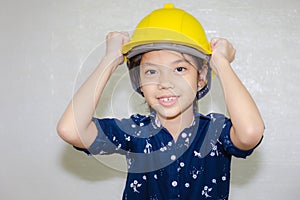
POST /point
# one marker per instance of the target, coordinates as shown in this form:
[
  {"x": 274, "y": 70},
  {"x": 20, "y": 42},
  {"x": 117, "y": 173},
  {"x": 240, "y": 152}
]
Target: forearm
[
  {"x": 87, "y": 97},
  {"x": 75, "y": 124},
  {"x": 247, "y": 122}
]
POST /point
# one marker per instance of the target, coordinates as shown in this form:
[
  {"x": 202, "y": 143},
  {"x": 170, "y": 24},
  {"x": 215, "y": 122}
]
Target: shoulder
[
  {"x": 213, "y": 125},
  {"x": 217, "y": 116},
  {"x": 140, "y": 120},
  {"x": 213, "y": 118},
  {"x": 133, "y": 121}
]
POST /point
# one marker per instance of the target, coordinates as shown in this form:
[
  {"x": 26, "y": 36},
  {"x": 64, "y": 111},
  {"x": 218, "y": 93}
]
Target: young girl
[{"x": 175, "y": 152}]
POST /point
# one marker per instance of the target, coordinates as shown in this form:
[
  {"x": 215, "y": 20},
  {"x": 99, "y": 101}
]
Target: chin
[{"x": 168, "y": 113}]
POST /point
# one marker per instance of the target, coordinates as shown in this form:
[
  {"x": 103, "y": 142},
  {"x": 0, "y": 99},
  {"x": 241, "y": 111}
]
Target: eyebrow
[{"x": 172, "y": 63}]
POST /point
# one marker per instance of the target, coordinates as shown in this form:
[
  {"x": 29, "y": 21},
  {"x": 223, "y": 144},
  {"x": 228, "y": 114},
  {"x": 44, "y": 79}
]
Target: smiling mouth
[{"x": 167, "y": 101}]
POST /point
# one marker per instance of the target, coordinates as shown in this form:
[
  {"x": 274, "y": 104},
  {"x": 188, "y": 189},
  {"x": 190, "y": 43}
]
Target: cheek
[
  {"x": 149, "y": 95},
  {"x": 190, "y": 83},
  {"x": 148, "y": 84},
  {"x": 147, "y": 89}
]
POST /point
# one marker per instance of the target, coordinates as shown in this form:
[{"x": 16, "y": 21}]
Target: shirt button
[
  {"x": 173, "y": 157},
  {"x": 174, "y": 183},
  {"x": 181, "y": 164},
  {"x": 223, "y": 178}
]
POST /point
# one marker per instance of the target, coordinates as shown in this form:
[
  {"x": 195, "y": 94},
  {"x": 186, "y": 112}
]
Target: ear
[
  {"x": 141, "y": 92},
  {"x": 202, "y": 81}
]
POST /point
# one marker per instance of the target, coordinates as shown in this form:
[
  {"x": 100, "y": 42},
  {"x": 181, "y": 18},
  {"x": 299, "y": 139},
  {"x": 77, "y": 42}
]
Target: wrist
[
  {"x": 111, "y": 62},
  {"x": 218, "y": 63},
  {"x": 108, "y": 64},
  {"x": 117, "y": 59}
]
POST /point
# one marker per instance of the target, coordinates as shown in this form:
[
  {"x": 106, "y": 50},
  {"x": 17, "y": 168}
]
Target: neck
[{"x": 177, "y": 124}]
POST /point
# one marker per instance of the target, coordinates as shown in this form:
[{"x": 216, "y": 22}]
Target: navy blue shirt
[{"x": 195, "y": 166}]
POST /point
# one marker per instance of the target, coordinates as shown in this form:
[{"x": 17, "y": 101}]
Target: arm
[
  {"x": 76, "y": 126},
  {"x": 247, "y": 124}
]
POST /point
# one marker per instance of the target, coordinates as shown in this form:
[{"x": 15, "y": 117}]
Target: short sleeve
[
  {"x": 228, "y": 145},
  {"x": 110, "y": 139}
]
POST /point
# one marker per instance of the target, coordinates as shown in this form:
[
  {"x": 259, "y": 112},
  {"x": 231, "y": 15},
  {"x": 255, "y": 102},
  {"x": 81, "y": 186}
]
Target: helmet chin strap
[{"x": 201, "y": 93}]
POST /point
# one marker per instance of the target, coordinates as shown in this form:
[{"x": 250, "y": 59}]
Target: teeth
[{"x": 168, "y": 99}]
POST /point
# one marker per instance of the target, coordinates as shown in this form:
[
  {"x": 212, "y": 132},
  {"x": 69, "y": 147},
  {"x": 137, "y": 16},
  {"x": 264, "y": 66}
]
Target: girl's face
[{"x": 169, "y": 82}]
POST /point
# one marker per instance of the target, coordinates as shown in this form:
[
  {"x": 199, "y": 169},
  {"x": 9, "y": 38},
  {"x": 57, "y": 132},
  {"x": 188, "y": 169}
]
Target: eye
[
  {"x": 180, "y": 69},
  {"x": 150, "y": 72}
]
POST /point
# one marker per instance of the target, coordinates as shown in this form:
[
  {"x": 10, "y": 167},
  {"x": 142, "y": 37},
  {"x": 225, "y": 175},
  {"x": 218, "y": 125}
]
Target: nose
[{"x": 165, "y": 81}]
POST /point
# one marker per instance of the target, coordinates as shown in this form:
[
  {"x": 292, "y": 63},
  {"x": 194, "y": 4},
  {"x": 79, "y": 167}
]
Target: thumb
[{"x": 213, "y": 42}]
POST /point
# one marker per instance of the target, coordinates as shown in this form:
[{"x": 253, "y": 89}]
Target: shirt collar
[{"x": 155, "y": 120}]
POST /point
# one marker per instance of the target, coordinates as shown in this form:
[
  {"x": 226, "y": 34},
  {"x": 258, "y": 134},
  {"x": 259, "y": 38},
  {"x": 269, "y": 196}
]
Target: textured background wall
[{"x": 48, "y": 47}]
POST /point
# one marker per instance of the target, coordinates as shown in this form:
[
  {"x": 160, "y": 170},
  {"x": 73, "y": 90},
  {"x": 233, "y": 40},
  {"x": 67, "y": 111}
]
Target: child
[{"x": 175, "y": 152}]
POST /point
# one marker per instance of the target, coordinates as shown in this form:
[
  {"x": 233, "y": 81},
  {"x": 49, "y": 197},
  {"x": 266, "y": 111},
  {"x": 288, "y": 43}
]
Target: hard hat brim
[{"x": 160, "y": 46}]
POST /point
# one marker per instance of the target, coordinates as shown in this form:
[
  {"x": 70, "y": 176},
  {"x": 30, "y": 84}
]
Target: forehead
[{"x": 166, "y": 57}]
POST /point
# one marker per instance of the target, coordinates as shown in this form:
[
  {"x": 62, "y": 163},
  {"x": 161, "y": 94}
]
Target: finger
[
  {"x": 110, "y": 35},
  {"x": 125, "y": 33},
  {"x": 126, "y": 37},
  {"x": 214, "y": 42}
]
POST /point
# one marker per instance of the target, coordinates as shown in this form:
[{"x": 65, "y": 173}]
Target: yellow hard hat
[
  {"x": 171, "y": 26},
  {"x": 172, "y": 29}
]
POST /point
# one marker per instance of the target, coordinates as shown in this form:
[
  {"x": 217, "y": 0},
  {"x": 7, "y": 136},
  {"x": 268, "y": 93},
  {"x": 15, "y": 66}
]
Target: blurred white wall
[{"x": 48, "y": 47}]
